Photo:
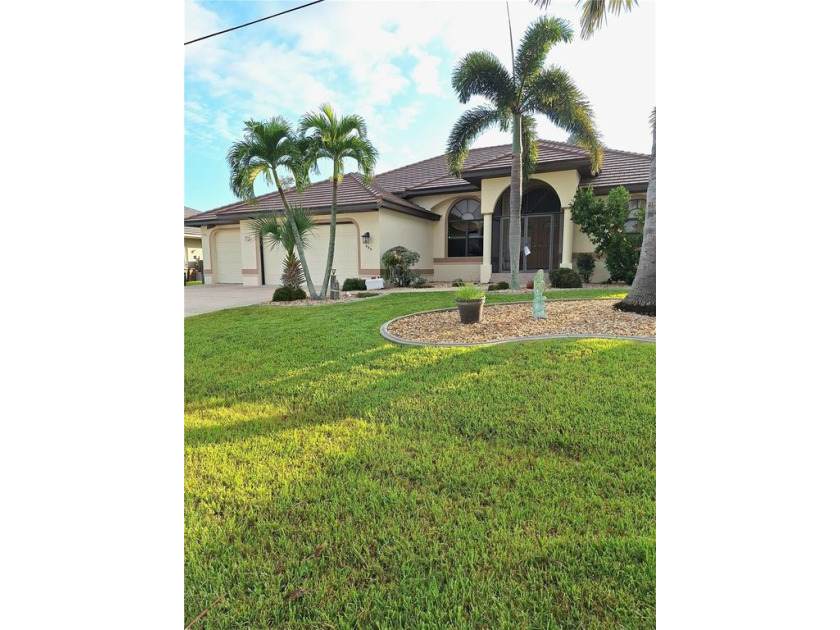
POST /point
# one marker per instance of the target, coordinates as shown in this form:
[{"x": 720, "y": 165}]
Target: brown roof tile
[{"x": 392, "y": 189}]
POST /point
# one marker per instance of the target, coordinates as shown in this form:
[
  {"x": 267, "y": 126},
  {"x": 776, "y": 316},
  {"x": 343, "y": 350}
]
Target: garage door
[
  {"x": 345, "y": 258},
  {"x": 227, "y": 268}
]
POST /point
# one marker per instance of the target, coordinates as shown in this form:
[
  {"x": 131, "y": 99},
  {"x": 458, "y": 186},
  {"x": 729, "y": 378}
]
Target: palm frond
[
  {"x": 538, "y": 40},
  {"x": 594, "y": 13},
  {"x": 302, "y": 218},
  {"x": 554, "y": 93},
  {"x": 268, "y": 226},
  {"x": 332, "y": 137},
  {"x": 482, "y": 74},
  {"x": 266, "y": 146},
  {"x": 540, "y": 4},
  {"x": 471, "y": 124}
]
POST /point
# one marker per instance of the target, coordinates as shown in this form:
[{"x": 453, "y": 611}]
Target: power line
[{"x": 303, "y": 6}]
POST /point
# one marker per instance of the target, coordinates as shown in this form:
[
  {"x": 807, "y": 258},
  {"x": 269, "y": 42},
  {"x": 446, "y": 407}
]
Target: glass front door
[{"x": 540, "y": 235}]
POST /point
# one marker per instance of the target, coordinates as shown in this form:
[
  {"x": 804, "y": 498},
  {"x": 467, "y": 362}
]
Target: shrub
[
  {"x": 288, "y": 294},
  {"x": 420, "y": 283},
  {"x": 565, "y": 279},
  {"x": 457, "y": 282},
  {"x": 605, "y": 222},
  {"x": 498, "y": 286},
  {"x": 353, "y": 284},
  {"x": 397, "y": 262},
  {"x": 469, "y": 292},
  {"x": 585, "y": 265}
]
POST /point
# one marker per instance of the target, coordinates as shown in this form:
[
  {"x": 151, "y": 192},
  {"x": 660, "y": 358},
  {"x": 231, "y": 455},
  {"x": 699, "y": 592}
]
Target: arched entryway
[{"x": 542, "y": 229}]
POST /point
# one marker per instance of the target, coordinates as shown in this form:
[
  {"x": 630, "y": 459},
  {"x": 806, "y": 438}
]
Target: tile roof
[
  {"x": 191, "y": 231},
  {"x": 620, "y": 168},
  {"x": 353, "y": 194},
  {"x": 393, "y": 188}
]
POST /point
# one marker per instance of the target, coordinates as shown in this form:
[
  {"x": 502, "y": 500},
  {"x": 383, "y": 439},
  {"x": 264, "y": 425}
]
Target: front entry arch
[{"x": 542, "y": 230}]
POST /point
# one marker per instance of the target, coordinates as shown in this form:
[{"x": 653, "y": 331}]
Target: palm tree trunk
[
  {"x": 298, "y": 241},
  {"x": 642, "y": 295},
  {"x": 515, "y": 202},
  {"x": 333, "y": 214}
]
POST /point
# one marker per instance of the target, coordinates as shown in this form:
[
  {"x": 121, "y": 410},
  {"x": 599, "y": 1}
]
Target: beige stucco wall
[
  {"x": 447, "y": 269},
  {"x": 351, "y": 257},
  {"x": 396, "y": 228}
]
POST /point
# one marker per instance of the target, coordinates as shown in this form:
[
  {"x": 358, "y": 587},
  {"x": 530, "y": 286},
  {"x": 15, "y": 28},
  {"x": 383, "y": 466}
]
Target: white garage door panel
[
  {"x": 228, "y": 257},
  {"x": 345, "y": 258}
]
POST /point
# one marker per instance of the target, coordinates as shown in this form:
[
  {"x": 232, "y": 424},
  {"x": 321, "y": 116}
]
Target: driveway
[{"x": 205, "y": 298}]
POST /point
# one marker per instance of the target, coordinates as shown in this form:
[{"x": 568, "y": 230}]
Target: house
[
  {"x": 192, "y": 244},
  {"x": 459, "y": 226}
]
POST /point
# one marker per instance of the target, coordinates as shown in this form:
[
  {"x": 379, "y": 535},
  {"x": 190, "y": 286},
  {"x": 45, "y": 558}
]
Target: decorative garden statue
[
  {"x": 335, "y": 292},
  {"x": 539, "y": 298}
]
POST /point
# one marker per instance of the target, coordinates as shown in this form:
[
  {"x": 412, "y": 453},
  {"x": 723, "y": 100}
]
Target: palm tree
[
  {"x": 514, "y": 100},
  {"x": 337, "y": 138},
  {"x": 278, "y": 231},
  {"x": 267, "y": 146},
  {"x": 642, "y": 295}
]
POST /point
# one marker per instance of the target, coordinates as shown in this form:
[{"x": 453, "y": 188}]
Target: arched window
[
  {"x": 636, "y": 207},
  {"x": 466, "y": 229}
]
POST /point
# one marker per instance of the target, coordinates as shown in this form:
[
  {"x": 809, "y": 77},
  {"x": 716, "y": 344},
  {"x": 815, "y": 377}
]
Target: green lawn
[{"x": 508, "y": 486}]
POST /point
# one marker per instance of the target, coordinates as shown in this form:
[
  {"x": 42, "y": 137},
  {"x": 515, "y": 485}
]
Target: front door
[{"x": 540, "y": 234}]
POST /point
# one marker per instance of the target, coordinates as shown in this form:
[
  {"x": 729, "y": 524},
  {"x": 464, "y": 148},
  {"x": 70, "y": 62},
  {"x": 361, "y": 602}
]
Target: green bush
[
  {"x": 499, "y": 286},
  {"x": 353, "y": 284},
  {"x": 604, "y": 221},
  {"x": 457, "y": 282},
  {"x": 420, "y": 283},
  {"x": 469, "y": 292},
  {"x": 288, "y": 294},
  {"x": 397, "y": 262},
  {"x": 565, "y": 279},
  {"x": 585, "y": 266}
]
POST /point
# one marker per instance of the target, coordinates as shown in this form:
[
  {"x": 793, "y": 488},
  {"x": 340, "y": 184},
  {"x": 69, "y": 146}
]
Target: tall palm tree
[
  {"x": 642, "y": 295},
  {"x": 268, "y": 146},
  {"x": 337, "y": 138},
  {"x": 641, "y": 298},
  {"x": 514, "y": 100}
]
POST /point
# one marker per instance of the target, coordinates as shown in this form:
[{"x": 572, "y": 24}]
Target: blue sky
[{"x": 391, "y": 63}]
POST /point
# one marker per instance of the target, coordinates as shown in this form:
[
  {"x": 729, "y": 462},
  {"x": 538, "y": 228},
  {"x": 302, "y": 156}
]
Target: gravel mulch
[{"x": 502, "y": 322}]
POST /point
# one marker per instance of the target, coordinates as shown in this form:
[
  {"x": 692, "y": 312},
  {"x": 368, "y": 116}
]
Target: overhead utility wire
[{"x": 303, "y": 6}]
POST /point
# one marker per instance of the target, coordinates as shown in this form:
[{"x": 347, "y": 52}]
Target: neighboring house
[
  {"x": 192, "y": 240},
  {"x": 459, "y": 226}
]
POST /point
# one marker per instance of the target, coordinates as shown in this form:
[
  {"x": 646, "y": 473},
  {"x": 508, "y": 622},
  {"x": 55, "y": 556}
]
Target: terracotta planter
[{"x": 470, "y": 310}]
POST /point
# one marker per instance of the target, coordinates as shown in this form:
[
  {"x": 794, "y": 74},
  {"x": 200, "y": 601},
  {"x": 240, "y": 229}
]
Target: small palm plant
[{"x": 279, "y": 231}]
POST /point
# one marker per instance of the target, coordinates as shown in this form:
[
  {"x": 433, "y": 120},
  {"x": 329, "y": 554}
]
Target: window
[
  {"x": 466, "y": 229},
  {"x": 636, "y": 207}
]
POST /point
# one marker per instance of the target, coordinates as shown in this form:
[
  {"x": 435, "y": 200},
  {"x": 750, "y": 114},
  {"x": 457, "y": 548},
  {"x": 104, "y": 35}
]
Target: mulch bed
[{"x": 502, "y": 322}]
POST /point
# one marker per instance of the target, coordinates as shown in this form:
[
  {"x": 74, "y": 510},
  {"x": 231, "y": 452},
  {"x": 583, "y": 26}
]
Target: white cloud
[{"x": 425, "y": 75}]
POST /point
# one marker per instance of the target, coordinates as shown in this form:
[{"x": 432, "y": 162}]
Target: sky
[{"x": 391, "y": 63}]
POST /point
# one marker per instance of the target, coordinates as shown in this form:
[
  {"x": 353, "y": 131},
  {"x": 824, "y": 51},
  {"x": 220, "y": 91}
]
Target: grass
[{"x": 335, "y": 480}]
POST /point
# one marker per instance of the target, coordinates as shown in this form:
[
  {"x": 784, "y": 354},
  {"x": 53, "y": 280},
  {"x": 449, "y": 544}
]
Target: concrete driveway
[{"x": 205, "y": 298}]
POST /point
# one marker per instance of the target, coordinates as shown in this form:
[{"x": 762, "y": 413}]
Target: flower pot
[{"x": 470, "y": 310}]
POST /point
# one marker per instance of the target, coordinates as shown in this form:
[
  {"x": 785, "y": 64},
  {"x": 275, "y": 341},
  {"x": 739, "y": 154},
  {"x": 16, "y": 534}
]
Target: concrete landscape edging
[{"x": 383, "y": 330}]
